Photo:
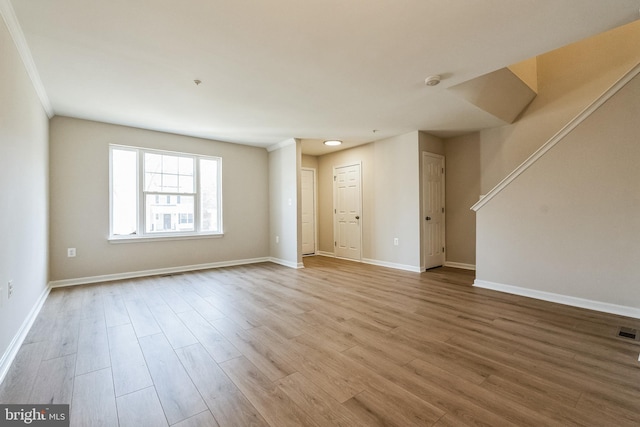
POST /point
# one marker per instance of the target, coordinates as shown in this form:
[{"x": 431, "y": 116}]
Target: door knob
[
  {"x": 428, "y": 218},
  {"x": 357, "y": 217}
]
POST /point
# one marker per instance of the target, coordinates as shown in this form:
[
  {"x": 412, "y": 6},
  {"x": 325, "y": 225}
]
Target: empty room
[{"x": 319, "y": 213}]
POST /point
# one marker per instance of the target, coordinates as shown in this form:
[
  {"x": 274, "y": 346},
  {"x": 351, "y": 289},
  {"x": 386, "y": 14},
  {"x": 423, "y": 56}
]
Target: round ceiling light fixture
[
  {"x": 432, "y": 80},
  {"x": 333, "y": 142}
]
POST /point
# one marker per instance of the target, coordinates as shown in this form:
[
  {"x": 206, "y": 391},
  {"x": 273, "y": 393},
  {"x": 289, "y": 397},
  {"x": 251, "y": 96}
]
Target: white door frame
[
  {"x": 423, "y": 213},
  {"x": 315, "y": 208},
  {"x": 335, "y": 227}
]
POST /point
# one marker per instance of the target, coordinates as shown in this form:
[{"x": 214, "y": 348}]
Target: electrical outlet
[
  {"x": 71, "y": 252},
  {"x": 10, "y": 289},
  {"x": 277, "y": 239},
  {"x": 395, "y": 241}
]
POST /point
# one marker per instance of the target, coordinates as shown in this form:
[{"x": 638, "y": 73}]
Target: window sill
[{"x": 163, "y": 237}]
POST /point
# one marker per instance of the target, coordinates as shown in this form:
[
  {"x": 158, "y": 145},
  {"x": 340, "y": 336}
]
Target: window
[{"x": 158, "y": 193}]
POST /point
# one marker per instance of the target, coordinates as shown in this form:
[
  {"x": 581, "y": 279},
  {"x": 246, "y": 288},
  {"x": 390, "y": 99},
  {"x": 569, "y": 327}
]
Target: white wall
[
  {"x": 23, "y": 193},
  {"x": 569, "y": 225},
  {"x": 284, "y": 198},
  {"x": 79, "y": 162}
]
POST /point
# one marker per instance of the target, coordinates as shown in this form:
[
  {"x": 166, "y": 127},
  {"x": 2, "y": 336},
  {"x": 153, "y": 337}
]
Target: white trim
[
  {"x": 460, "y": 265},
  {"x": 154, "y": 272},
  {"x": 286, "y": 263},
  {"x": 360, "y": 203},
  {"x": 423, "y": 195},
  {"x": 605, "y": 307},
  {"x": 315, "y": 207},
  {"x": 10, "y": 19},
  {"x": 13, "y": 348},
  {"x": 281, "y": 144},
  {"x": 327, "y": 254},
  {"x": 379, "y": 263},
  {"x": 559, "y": 136},
  {"x": 162, "y": 237}
]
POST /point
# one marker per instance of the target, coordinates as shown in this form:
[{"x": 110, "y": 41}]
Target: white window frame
[{"x": 141, "y": 233}]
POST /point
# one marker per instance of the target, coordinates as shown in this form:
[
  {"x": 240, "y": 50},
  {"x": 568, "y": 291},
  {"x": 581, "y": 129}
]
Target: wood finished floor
[{"x": 334, "y": 344}]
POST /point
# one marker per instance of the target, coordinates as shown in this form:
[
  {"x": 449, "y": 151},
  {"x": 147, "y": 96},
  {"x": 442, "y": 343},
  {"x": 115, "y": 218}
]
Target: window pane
[
  {"x": 209, "y": 211},
  {"x": 186, "y": 184},
  {"x": 169, "y": 164},
  {"x": 124, "y": 198},
  {"x": 164, "y": 173},
  {"x": 153, "y": 182},
  {"x": 163, "y": 214},
  {"x": 186, "y": 166},
  {"x": 169, "y": 183},
  {"x": 152, "y": 163}
]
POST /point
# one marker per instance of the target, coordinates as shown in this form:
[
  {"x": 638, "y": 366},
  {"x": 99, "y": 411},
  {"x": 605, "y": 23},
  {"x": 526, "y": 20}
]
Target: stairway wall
[
  {"x": 567, "y": 229},
  {"x": 569, "y": 79}
]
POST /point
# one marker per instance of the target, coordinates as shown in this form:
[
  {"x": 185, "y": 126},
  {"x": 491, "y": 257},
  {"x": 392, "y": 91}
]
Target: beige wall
[
  {"x": 527, "y": 70},
  {"x": 79, "y": 162},
  {"x": 395, "y": 203},
  {"x": 569, "y": 79},
  {"x": 390, "y": 197},
  {"x": 326, "y": 163},
  {"x": 569, "y": 224},
  {"x": 23, "y": 193},
  {"x": 430, "y": 143},
  {"x": 310, "y": 162},
  {"x": 284, "y": 198},
  {"x": 463, "y": 191}
]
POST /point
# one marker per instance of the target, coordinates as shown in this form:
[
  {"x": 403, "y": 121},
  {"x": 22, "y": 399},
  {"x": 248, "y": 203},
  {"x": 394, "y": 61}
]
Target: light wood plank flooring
[{"x": 335, "y": 344}]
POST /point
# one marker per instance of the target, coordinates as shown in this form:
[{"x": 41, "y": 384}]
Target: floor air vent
[{"x": 627, "y": 333}]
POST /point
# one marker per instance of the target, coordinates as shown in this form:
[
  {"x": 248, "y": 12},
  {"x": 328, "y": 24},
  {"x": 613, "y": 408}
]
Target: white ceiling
[{"x": 279, "y": 69}]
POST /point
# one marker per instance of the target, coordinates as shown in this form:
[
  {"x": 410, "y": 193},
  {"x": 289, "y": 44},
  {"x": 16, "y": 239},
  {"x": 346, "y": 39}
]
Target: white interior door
[
  {"x": 433, "y": 209},
  {"x": 308, "y": 212},
  {"x": 348, "y": 211}
]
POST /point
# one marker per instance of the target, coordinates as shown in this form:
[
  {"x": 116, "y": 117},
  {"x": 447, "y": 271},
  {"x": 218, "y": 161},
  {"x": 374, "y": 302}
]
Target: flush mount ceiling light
[
  {"x": 333, "y": 142},
  {"x": 432, "y": 80}
]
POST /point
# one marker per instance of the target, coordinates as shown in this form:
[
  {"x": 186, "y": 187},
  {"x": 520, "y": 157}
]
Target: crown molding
[
  {"x": 281, "y": 144},
  {"x": 11, "y": 20}
]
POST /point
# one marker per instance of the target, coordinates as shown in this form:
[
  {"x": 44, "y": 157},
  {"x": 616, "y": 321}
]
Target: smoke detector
[{"x": 432, "y": 80}]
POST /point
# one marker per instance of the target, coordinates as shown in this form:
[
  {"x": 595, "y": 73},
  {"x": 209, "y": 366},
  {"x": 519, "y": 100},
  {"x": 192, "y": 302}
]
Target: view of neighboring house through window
[{"x": 156, "y": 193}]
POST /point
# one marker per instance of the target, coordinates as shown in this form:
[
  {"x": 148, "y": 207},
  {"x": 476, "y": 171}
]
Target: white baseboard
[
  {"x": 405, "y": 267},
  {"x": 605, "y": 307},
  {"x": 11, "y": 352},
  {"x": 327, "y": 254},
  {"x": 460, "y": 265},
  {"x": 154, "y": 272},
  {"x": 286, "y": 263}
]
